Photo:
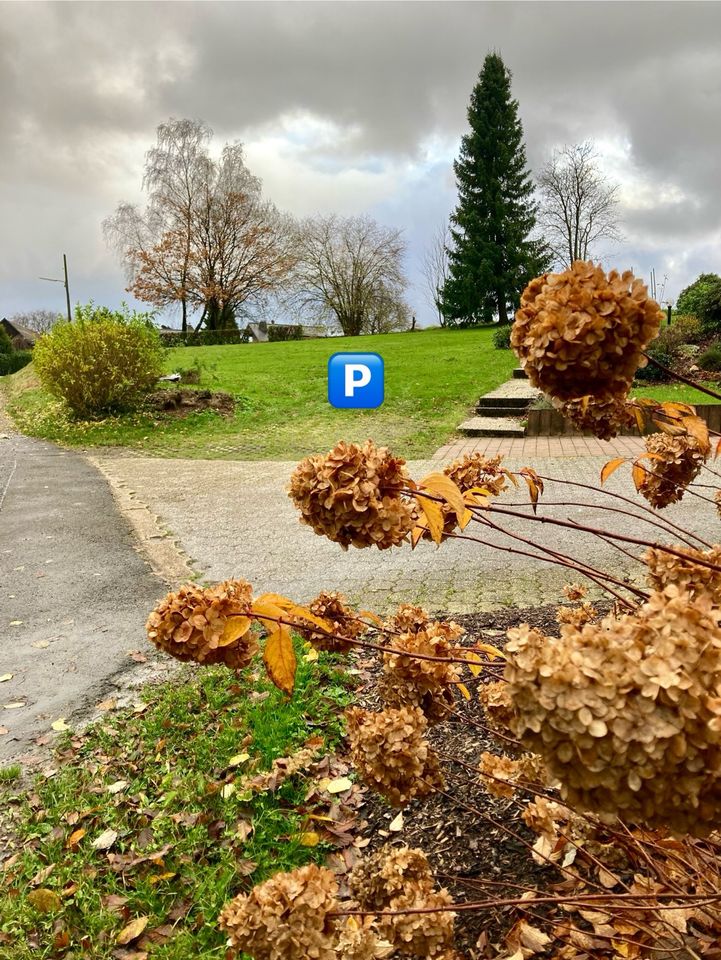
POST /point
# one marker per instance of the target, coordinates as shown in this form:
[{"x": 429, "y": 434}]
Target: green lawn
[
  {"x": 433, "y": 380},
  {"x": 678, "y": 392}
]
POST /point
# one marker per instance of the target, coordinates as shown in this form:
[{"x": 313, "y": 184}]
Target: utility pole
[{"x": 65, "y": 284}]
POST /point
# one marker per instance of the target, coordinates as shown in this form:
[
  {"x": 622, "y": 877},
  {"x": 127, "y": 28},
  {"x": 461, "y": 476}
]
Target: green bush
[
  {"x": 502, "y": 337},
  {"x": 282, "y": 332},
  {"x": 691, "y": 299},
  {"x": 711, "y": 359},
  {"x": 12, "y": 362},
  {"x": 203, "y": 338},
  {"x": 6, "y": 346},
  {"x": 104, "y": 361},
  {"x": 686, "y": 328},
  {"x": 665, "y": 355}
]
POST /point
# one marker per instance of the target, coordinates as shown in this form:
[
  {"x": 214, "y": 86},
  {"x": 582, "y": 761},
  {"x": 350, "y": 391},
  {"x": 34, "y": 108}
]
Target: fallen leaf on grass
[
  {"x": 159, "y": 877},
  {"x": 110, "y": 704},
  {"x": 118, "y": 786},
  {"x": 60, "y": 725},
  {"x": 227, "y": 791},
  {"x": 309, "y": 838},
  {"x": 132, "y": 931},
  {"x": 238, "y": 759},
  {"x": 6, "y": 676},
  {"x": 243, "y": 830},
  {"x": 138, "y": 656},
  {"x": 44, "y": 900},
  {"x": 42, "y": 875},
  {"x": 339, "y": 785},
  {"x": 105, "y": 841},
  {"x": 140, "y": 707},
  {"x": 74, "y": 839}
]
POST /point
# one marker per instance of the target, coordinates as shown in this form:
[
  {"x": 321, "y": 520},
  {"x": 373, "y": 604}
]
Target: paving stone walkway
[{"x": 234, "y": 519}]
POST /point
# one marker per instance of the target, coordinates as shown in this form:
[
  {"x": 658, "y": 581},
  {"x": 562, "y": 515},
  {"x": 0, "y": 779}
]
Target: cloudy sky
[{"x": 349, "y": 107}]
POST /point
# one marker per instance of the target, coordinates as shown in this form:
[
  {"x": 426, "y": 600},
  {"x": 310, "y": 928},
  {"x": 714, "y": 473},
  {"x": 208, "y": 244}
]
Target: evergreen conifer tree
[{"x": 492, "y": 256}]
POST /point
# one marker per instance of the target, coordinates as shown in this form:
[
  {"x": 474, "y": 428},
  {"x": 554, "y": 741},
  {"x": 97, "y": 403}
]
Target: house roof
[{"x": 17, "y": 330}]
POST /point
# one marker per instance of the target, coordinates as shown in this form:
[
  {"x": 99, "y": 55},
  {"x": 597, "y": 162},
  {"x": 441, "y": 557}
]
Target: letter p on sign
[{"x": 355, "y": 381}]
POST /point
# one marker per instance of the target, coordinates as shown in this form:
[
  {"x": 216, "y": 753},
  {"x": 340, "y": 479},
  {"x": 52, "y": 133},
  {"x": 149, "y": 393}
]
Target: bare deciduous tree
[
  {"x": 39, "y": 320},
  {"x": 579, "y": 207},
  {"x": 206, "y": 239},
  {"x": 350, "y": 269},
  {"x": 435, "y": 269}
]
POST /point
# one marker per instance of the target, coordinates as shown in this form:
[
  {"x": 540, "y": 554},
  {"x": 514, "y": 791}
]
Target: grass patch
[
  {"x": 678, "y": 392},
  {"x": 433, "y": 378},
  {"x": 167, "y": 782}
]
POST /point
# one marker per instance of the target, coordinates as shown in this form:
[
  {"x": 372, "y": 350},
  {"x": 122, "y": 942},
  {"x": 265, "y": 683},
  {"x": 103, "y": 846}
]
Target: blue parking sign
[{"x": 355, "y": 381}]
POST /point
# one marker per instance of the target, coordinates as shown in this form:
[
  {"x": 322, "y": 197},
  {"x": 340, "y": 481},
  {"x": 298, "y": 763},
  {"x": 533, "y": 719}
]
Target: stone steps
[
  {"x": 497, "y": 410},
  {"x": 519, "y": 374},
  {"x": 492, "y": 427}
]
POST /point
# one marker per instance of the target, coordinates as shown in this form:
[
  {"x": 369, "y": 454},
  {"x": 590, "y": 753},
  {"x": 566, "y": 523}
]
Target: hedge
[{"x": 12, "y": 362}]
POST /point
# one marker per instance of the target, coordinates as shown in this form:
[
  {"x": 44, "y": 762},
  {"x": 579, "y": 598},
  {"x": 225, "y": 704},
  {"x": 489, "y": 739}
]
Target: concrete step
[
  {"x": 507, "y": 401},
  {"x": 491, "y": 410},
  {"x": 491, "y": 427},
  {"x": 519, "y": 374}
]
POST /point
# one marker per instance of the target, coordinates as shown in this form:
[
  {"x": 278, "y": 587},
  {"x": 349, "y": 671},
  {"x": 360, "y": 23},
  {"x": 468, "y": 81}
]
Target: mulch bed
[
  {"x": 460, "y": 844},
  {"x": 182, "y": 402}
]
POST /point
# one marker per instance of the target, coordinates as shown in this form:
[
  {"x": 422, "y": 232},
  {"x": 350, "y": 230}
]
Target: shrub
[
  {"x": 6, "y": 346},
  {"x": 203, "y": 338},
  {"x": 101, "y": 362},
  {"x": 282, "y": 332},
  {"x": 663, "y": 354},
  {"x": 687, "y": 328},
  {"x": 711, "y": 359},
  {"x": 502, "y": 337},
  {"x": 12, "y": 362},
  {"x": 691, "y": 299}
]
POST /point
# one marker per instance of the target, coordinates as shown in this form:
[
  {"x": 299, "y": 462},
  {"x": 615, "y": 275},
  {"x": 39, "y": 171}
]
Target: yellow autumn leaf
[
  {"x": 434, "y": 517},
  {"x": 442, "y": 485},
  {"x": 464, "y": 690},
  {"x": 309, "y": 838},
  {"x": 339, "y": 785},
  {"x": 279, "y": 657},
  {"x": 60, "y": 725},
  {"x": 294, "y": 609},
  {"x": 132, "y": 931},
  {"x": 238, "y": 759},
  {"x": 610, "y": 467},
  {"x": 44, "y": 900},
  {"x": 235, "y": 628}
]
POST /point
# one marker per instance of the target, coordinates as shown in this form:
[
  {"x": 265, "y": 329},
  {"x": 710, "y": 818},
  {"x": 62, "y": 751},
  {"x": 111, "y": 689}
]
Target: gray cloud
[{"x": 82, "y": 87}]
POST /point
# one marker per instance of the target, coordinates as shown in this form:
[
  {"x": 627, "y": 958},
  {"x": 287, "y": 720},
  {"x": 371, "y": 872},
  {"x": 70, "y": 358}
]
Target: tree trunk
[
  {"x": 184, "y": 326},
  {"x": 502, "y": 311}
]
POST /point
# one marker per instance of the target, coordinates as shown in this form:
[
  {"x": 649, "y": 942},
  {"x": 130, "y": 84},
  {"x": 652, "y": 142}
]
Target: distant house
[
  {"x": 22, "y": 338},
  {"x": 256, "y": 332}
]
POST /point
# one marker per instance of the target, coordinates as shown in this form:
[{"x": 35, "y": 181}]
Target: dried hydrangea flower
[
  {"x": 378, "y": 879},
  {"x": 407, "y": 619},
  {"x": 353, "y": 495},
  {"x": 428, "y": 684},
  {"x": 332, "y": 606},
  {"x": 580, "y": 332},
  {"x": 502, "y": 776},
  {"x": 577, "y": 616},
  {"x": 604, "y": 417},
  {"x": 676, "y": 462},
  {"x": 401, "y": 879},
  {"x": 575, "y": 592},
  {"x": 475, "y": 470},
  {"x": 664, "y": 569},
  {"x": 626, "y": 712},
  {"x": 356, "y": 939},
  {"x": 206, "y": 625},
  {"x": 391, "y": 754},
  {"x": 285, "y": 918},
  {"x": 498, "y": 703}
]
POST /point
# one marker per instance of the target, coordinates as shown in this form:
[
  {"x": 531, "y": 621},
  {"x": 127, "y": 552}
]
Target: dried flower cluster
[
  {"x": 391, "y": 754},
  {"x": 676, "y": 462},
  {"x": 401, "y": 879},
  {"x": 475, "y": 470},
  {"x": 582, "y": 613},
  {"x": 604, "y": 417},
  {"x": 356, "y": 939},
  {"x": 332, "y": 606},
  {"x": 206, "y": 625},
  {"x": 627, "y": 712},
  {"x": 428, "y": 684},
  {"x": 407, "y": 619},
  {"x": 285, "y": 918},
  {"x": 352, "y": 495},
  {"x": 665, "y": 568},
  {"x": 498, "y": 703},
  {"x": 581, "y": 332}
]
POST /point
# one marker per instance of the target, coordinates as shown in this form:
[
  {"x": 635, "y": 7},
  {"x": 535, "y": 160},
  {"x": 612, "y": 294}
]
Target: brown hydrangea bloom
[
  {"x": 352, "y": 495},
  {"x": 332, "y": 606},
  {"x": 356, "y": 939},
  {"x": 677, "y": 461},
  {"x": 498, "y": 703},
  {"x": 501, "y": 775},
  {"x": 407, "y": 619},
  {"x": 577, "y": 616},
  {"x": 605, "y": 418},
  {"x": 581, "y": 332},
  {"x": 398, "y": 879},
  {"x": 475, "y": 470},
  {"x": 424, "y": 683},
  {"x": 391, "y": 754},
  {"x": 575, "y": 592},
  {"x": 420, "y": 934},
  {"x": 664, "y": 569},
  {"x": 388, "y": 873},
  {"x": 200, "y": 624},
  {"x": 626, "y": 712},
  {"x": 285, "y": 918}
]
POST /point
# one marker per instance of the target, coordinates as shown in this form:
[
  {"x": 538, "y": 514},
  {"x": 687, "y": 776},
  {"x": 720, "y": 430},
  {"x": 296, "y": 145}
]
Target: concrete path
[
  {"x": 235, "y": 520},
  {"x": 74, "y": 592}
]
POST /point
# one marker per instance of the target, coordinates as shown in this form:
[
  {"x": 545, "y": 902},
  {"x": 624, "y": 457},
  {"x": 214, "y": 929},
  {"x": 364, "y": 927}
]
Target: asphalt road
[{"x": 74, "y": 593}]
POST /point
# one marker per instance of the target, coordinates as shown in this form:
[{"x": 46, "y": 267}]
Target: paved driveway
[{"x": 235, "y": 519}]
